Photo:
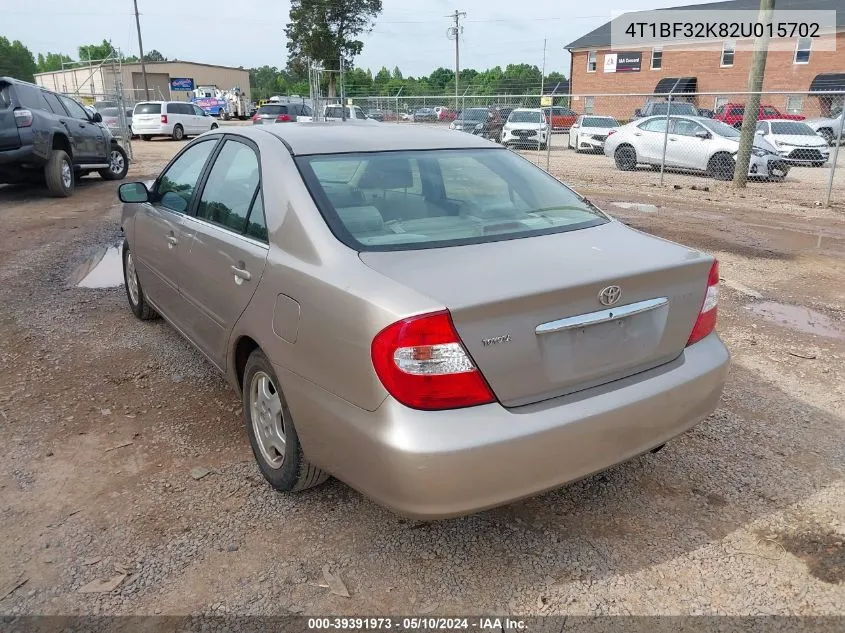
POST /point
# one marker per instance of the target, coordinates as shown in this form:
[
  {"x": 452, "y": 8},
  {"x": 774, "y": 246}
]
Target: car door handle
[
  {"x": 671, "y": 138},
  {"x": 241, "y": 274},
  {"x": 638, "y": 134},
  {"x": 172, "y": 241}
]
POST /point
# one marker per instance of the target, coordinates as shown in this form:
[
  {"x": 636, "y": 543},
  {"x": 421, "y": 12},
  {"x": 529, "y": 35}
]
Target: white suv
[{"x": 178, "y": 119}]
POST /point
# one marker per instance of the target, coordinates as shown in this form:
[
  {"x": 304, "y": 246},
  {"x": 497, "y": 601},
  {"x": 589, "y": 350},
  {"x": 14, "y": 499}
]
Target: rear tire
[
  {"x": 118, "y": 165},
  {"x": 134, "y": 292},
  {"x": 178, "y": 133},
  {"x": 271, "y": 431},
  {"x": 58, "y": 174},
  {"x": 626, "y": 158},
  {"x": 721, "y": 166}
]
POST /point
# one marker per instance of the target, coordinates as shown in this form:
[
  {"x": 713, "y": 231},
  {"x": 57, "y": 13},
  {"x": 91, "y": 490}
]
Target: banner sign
[
  {"x": 623, "y": 62},
  {"x": 181, "y": 83}
]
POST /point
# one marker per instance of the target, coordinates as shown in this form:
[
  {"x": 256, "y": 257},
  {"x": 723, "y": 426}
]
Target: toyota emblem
[{"x": 610, "y": 295}]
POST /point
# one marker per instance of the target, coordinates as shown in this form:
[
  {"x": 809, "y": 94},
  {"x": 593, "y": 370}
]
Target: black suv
[{"x": 52, "y": 138}]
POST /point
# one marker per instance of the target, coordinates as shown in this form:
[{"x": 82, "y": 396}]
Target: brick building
[{"x": 718, "y": 68}]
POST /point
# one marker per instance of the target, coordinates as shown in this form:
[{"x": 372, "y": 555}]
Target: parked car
[
  {"x": 654, "y": 108},
  {"x": 694, "y": 143},
  {"x": 375, "y": 114},
  {"x": 334, "y": 112},
  {"x": 706, "y": 112},
  {"x": 733, "y": 113},
  {"x": 828, "y": 127},
  {"x": 795, "y": 141},
  {"x": 589, "y": 132},
  {"x": 49, "y": 137},
  {"x": 525, "y": 127},
  {"x": 473, "y": 120},
  {"x": 422, "y": 115},
  {"x": 176, "y": 119},
  {"x": 426, "y": 350},
  {"x": 444, "y": 113},
  {"x": 282, "y": 113},
  {"x": 111, "y": 119},
  {"x": 561, "y": 118}
]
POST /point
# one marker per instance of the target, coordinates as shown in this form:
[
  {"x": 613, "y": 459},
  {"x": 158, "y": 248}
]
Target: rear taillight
[
  {"x": 423, "y": 364},
  {"x": 283, "y": 117},
  {"x": 255, "y": 116},
  {"x": 706, "y": 321},
  {"x": 164, "y": 118},
  {"x": 23, "y": 118}
]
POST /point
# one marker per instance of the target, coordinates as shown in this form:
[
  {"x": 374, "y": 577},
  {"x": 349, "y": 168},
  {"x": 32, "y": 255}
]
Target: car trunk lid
[{"x": 529, "y": 313}]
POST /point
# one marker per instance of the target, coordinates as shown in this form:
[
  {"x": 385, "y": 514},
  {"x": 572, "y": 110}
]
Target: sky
[{"x": 411, "y": 35}]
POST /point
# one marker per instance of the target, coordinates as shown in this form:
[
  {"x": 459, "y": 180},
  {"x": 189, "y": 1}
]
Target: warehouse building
[
  {"x": 166, "y": 80},
  {"x": 718, "y": 68}
]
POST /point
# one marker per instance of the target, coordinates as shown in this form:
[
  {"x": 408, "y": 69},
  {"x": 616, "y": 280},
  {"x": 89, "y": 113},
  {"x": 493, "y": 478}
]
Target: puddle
[
  {"x": 636, "y": 206},
  {"x": 798, "y": 318},
  {"x": 103, "y": 270}
]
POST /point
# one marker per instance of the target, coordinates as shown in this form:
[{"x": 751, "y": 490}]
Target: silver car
[
  {"x": 795, "y": 141},
  {"x": 692, "y": 143},
  {"x": 828, "y": 127},
  {"x": 589, "y": 132},
  {"x": 426, "y": 316}
]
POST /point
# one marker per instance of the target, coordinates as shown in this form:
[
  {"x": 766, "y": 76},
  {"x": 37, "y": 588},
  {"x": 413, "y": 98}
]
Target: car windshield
[
  {"x": 524, "y": 116},
  {"x": 717, "y": 127},
  {"x": 677, "y": 108},
  {"x": 599, "y": 121},
  {"x": 792, "y": 127},
  {"x": 409, "y": 200},
  {"x": 474, "y": 114},
  {"x": 148, "y": 108},
  {"x": 273, "y": 109}
]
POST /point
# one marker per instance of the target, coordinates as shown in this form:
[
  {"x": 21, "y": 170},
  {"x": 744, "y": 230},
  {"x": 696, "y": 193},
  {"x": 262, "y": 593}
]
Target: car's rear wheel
[
  {"x": 134, "y": 292},
  {"x": 721, "y": 166},
  {"x": 271, "y": 431},
  {"x": 58, "y": 173},
  {"x": 118, "y": 165},
  {"x": 626, "y": 158},
  {"x": 178, "y": 133}
]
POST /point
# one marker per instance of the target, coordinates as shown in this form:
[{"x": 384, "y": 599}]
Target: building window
[
  {"x": 802, "y": 50},
  {"x": 589, "y": 105},
  {"x": 719, "y": 102},
  {"x": 657, "y": 58},
  {"x": 794, "y": 104},
  {"x": 591, "y": 61},
  {"x": 728, "y": 51}
]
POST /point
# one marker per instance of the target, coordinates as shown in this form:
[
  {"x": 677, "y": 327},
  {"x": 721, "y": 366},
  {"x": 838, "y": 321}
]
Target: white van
[
  {"x": 334, "y": 112},
  {"x": 178, "y": 119}
]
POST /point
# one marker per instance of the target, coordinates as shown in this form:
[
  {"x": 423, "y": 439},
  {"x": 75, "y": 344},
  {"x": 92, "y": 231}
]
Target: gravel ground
[{"x": 105, "y": 420}]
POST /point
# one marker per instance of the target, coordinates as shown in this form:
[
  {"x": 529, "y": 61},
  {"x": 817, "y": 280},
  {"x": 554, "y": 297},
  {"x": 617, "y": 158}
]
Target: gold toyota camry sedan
[{"x": 422, "y": 314}]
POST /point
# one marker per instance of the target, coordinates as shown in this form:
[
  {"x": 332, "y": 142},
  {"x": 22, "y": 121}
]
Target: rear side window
[
  {"x": 31, "y": 97},
  {"x": 5, "y": 96},
  {"x": 334, "y": 113},
  {"x": 177, "y": 184},
  {"x": 231, "y": 187},
  {"x": 54, "y": 103},
  {"x": 148, "y": 108},
  {"x": 257, "y": 225},
  {"x": 653, "y": 125}
]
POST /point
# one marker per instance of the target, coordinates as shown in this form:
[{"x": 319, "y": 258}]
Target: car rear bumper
[
  {"x": 437, "y": 464},
  {"x": 153, "y": 130},
  {"x": 24, "y": 155}
]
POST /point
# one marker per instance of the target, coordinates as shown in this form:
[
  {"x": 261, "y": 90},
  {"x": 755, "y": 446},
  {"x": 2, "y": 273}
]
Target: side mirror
[
  {"x": 703, "y": 135},
  {"x": 133, "y": 192},
  {"x": 97, "y": 118}
]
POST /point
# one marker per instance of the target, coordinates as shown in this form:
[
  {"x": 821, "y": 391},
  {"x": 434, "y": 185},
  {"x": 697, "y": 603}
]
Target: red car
[
  {"x": 732, "y": 113},
  {"x": 562, "y": 118},
  {"x": 445, "y": 114}
]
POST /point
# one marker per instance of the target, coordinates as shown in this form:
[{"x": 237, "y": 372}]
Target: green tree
[
  {"x": 95, "y": 51},
  {"x": 154, "y": 56},
  {"x": 323, "y": 30},
  {"x": 51, "y": 61},
  {"x": 16, "y": 60}
]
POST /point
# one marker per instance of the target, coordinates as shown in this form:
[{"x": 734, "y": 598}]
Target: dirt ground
[{"x": 103, "y": 418}]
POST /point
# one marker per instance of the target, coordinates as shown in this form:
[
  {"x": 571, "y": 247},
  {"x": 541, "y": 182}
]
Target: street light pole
[
  {"x": 141, "y": 50},
  {"x": 456, "y": 31}
]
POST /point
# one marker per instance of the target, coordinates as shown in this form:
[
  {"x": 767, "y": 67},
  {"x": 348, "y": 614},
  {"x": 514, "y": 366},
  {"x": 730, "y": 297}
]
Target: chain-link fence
[{"x": 632, "y": 141}]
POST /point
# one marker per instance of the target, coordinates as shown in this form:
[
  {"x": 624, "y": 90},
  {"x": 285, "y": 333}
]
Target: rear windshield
[
  {"x": 273, "y": 109},
  {"x": 599, "y": 121},
  {"x": 148, "y": 108},
  {"x": 523, "y": 116},
  {"x": 474, "y": 114},
  {"x": 424, "y": 199},
  {"x": 109, "y": 111},
  {"x": 792, "y": 127}
]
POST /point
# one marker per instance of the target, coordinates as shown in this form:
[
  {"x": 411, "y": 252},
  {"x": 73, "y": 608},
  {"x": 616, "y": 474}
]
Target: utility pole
[
  {"x": 141, "y": 50},
  {"x": 456, "y": 32},
  {"x": 752, "y": 103},
  {"x": 342, "y": 100}
]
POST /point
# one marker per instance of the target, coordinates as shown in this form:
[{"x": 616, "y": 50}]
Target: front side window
[
  {"x": 685, "y": 127},
  {"x": 231, "y": 187},
  {"x": 802, "y": 50},
  {"x": 657, "y": 58},
  {"x": 177, "y": 184},
  {"x": 467, "y": 196},
  {"x": 728, "y": 52},
  {"x": 591, "y": 61},
  {"x": 74, "y": 109}
]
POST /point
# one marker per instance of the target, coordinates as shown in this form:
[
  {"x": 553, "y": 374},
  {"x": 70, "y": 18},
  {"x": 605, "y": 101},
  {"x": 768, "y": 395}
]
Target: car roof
[
  {"x": 527, "y": 109},
  {"x": 339, "y": 137},
  {"x": 781, "y": 120}
]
